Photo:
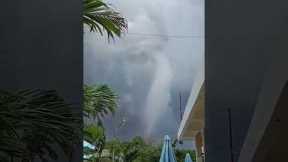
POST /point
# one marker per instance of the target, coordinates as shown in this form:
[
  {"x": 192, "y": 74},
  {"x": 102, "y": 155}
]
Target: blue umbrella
[
  {"x": 167, "y": 154},
  {"x": 188, "y": 158}
]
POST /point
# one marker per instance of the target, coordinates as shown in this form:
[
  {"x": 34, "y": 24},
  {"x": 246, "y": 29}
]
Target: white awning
[{"x": 193, "y": 118}]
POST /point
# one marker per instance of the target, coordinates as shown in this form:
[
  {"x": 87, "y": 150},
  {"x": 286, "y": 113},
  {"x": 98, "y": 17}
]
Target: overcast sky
[{"x": 147, "y": 69}]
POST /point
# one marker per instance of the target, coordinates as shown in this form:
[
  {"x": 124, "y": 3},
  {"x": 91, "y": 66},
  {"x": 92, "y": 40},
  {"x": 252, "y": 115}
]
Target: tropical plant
[
  {"x": 115, "y": 148},
  {"x": 100, "y": 17},
  {"x": 130, "y": 149},
  {"x": 181, "y": 153},
  {"x": 137, "y": 150},
  {"x": 35, "y": 123},
  {"x": 149, "y": 153},
  {"x": 99, "y": 101},
  {"x": 95, "y": 135}
]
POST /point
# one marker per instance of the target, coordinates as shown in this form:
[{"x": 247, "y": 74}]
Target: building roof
[{"x": 193, "y": 118}]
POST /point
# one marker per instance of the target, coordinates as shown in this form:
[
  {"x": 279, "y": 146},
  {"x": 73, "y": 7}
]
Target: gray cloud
[{"x": 148, "y": 72}]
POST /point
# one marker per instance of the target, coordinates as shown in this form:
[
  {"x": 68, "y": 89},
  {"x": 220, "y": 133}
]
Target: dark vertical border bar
[
  {"x": 41, "y": 47},
  {"x": 230, "y": 135}
]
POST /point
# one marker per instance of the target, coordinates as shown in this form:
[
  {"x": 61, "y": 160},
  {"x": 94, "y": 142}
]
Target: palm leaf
[
  {"x": 36, "y": 119},
  {"x": 99, "y": 101},
  {"x": 101, "y": 17}
]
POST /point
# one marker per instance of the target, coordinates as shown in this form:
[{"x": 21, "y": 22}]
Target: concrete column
[
  {"x": 199, "y": 146},
  {"x": 203, "y": 145}
]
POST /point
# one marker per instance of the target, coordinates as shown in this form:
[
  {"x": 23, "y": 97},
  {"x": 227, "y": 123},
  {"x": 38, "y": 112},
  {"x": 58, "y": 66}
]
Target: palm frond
[
  {"x": 99, "y": 101},
  {"x": 36, "y": 119},
  {"x": 101, "y": 17}
]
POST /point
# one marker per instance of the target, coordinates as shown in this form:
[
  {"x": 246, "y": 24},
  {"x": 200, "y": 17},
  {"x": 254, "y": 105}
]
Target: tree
[
  {"x": 134, "y": 150},
  {"x": 35, "y": 122},
  {"x": 99, "y": 101},
  {"x": 149, "y": 153},
  {"x": 181, "y": 153},
  {"x": 95, "y": 135},
  {"x": 130, "y": 149},
  {"x": 137, "y": 150},
  {"x": 101, "y": 17},
  {"x": 115, "y": 148},
  {"x": 126, "y": 150}
]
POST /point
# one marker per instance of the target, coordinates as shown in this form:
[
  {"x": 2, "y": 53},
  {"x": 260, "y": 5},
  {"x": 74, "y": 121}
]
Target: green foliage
[
  {"x": 99, "y": 101},
  {"x": 137, "y": 150},
  {"x": 95, "y": 135},
  {"x": 130, "y": 149},
  {"x": 101, "y": 17},
  {"x": 33, "y": 123},
  {"x": 181, "y": 153},
  {"x": 115, "y": 148},
  {"x": 149, "y": 153},
  {"x": 93, "y": 132}
]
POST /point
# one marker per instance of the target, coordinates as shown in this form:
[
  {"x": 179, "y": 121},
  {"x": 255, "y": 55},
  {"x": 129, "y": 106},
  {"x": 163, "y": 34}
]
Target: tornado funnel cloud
[{"x": 159, "y": 93}]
